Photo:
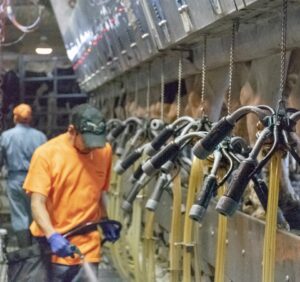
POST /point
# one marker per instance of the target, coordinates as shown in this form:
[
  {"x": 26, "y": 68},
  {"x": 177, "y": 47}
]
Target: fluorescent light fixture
[{"x": 43, "y": 48}]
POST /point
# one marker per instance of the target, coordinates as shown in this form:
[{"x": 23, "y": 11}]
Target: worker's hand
[
  {"x": 60, "y": 245},
  {"x": 111, "y": 229}
]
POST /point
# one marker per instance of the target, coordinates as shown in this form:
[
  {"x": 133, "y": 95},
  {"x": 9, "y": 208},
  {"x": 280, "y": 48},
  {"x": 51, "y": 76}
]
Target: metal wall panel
[
  {"x": 249, "y": 2},
  {"x": 129, "y": 34},
  {"x": 176, "y": 19},
  {"x": 139, "y": 27},
  {"x": 245, "y": 248},
  {"x": 206, "y": 12},
  {"x": 120, "y": 39},
  {"x": 166, "y": 20}
]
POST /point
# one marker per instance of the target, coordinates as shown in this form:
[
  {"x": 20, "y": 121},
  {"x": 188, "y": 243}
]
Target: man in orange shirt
[{"x": 67, "y": 181}]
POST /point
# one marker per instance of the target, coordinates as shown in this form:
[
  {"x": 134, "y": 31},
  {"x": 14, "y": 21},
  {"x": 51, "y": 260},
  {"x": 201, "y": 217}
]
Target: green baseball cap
[{"x": 90, "y": 123}]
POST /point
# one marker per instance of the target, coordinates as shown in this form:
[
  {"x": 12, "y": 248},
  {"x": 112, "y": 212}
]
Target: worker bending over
[{"x": 67, "y": 180}]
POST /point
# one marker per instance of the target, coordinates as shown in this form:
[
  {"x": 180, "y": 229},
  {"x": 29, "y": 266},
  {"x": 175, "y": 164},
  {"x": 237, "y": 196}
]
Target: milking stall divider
[{"x": 166, "y": 194}]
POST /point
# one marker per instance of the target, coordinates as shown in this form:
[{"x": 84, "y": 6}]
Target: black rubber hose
[
  {"x": 206, "y": 146},
  {"x": 170, "y": 164},
  {"x": 261, "y": 190},
  {"x": 121, "y": 144},
  {"x": 228, "y": 203},
  {"x": 127, "y": 204},
  {"x": 128, "y": 161},
  {"x": 156, "y": 194},
  {"x": 114, "y": 133},
  {"x": 137, "y": 174},
  {"x": 159, "y": 140},
  {"x": 160, "y": 158},
  {"x": 199, "y": 208}
]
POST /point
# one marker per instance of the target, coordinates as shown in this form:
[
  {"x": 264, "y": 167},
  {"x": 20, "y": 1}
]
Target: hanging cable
[
  {"x": 8, "y": 44},
  {"x": 10, "y": 14},
  {"x": 122, "y": 96},
  {"x": 148, "y": 92},
  {"x": 203, "y": 73},
  {"x": 116, "y": 98},
  {"x": 126, "y": 96},
  {"x": 179, "y": 86},
  {"x": 231, "y": 64},
  {"x": 162, "y": 90}
]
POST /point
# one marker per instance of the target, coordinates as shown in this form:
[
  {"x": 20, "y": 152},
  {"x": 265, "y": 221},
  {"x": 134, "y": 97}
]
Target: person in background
[
  {"x": 16, "y": 148},
  {"x": 67, "y": 180}
]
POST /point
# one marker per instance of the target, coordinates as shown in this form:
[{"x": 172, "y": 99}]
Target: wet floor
[
  {"x": 106, "y": 271},
  {"x": 106, "y": 275}
]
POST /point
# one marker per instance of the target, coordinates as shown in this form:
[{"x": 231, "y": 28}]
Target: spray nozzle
[{"x": 76, "y": 250}]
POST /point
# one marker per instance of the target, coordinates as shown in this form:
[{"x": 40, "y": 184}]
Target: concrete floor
[
  {"x": 106, "y": 272},
  {"x": 105, "y": 275}
]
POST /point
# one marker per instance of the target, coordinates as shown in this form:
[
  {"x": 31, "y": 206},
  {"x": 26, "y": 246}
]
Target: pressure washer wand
[{"x": 76, "y": 250}]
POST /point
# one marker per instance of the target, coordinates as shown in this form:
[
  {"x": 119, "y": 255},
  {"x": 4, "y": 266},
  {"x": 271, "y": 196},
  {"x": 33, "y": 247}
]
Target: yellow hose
[
  {"x": 176, "y": 232},
  {"x": 221, "y": 242},
  {"x": 197, "y": 260},
  {"x": 117, "y": 250},
  {"x": 196, "y": 176},
  {"x": 134, "y": 238},
  {"x": 111, "y": 192},
  {"x": 149, "y": 247},
  {"x": 271, "y": 220}
]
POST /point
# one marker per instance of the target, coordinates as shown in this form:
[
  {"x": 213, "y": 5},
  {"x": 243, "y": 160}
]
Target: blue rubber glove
[
  {"x": 111, "y": 230},
  {"x": 60, "y": 245}
]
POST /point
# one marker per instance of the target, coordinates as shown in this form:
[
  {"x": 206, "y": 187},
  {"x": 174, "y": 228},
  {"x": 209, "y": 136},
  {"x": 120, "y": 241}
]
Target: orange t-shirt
[{"x": 73, "y": 183}]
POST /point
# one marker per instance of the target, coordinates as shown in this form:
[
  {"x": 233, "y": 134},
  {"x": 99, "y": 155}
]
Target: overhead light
[{"x": 43, "y": 48}]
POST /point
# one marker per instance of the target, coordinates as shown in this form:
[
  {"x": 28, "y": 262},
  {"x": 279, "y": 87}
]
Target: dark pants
[{"x": 73, "y": 273}]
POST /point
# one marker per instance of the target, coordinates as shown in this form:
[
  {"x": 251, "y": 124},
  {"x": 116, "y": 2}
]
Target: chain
[
  {"x": 179, "y": 87},
  {"x": 162, "y": 91},
  {"x": 231, "y": 64},
  {"x": 113, "y": 93},
  {"x": 148, "y": 92},
  {"x": 1, "y": 70},
  {"x": 283, "y": 49},
  {"x": 136, "y": 92},
  {"x": 127, "y": 95},
  {"x": 101, "y": 100},
  {"x": 203, "y": 82}
]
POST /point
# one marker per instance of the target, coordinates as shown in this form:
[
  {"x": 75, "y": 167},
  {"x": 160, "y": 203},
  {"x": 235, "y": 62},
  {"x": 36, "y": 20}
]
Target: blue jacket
[{"x": 17, "y": 146}]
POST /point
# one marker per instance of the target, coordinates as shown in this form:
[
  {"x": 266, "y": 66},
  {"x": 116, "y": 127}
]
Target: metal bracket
[
  {"x": 189, "y": 247},
  {"x": 190, "y": 53},
  {"x": 216, "y": 6}
]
